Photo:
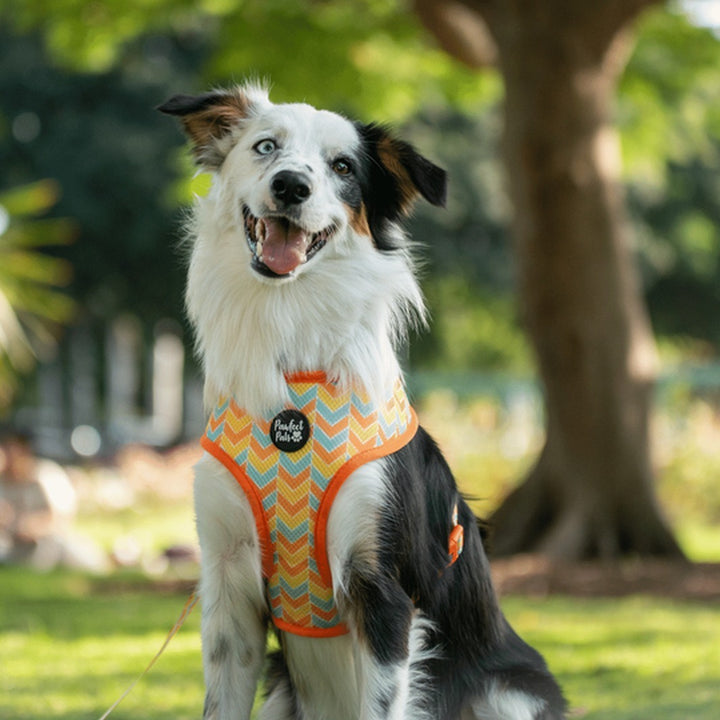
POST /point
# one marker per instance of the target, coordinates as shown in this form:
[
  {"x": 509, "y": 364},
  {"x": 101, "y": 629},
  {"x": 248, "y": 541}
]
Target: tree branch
[
  {"x": 627, "y": 10},
  {"x": 459, "y": 30}
]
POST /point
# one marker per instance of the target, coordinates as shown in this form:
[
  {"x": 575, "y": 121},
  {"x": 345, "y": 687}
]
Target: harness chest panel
[{"x": 291, "y": 492}]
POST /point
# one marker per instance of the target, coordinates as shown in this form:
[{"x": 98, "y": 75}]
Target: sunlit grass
[
  {"x": 628, "y": 659},
  {"x": 70, "y": 645},
  {"x": 700, "y": 542}
]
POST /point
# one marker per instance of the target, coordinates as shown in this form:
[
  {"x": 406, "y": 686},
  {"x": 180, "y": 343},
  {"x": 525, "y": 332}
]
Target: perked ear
[
  {"x": 397, "y": 166},
  {"x": 208, "y": 121}
]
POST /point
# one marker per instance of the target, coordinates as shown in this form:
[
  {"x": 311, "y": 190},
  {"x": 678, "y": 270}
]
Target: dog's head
[{"x": 303, "y": 182}]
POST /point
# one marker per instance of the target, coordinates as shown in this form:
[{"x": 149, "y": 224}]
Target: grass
[
  {"x": 70, "y": 645},
  {"x": 628, "y": 659},
  {"x": 151, "y": 525}
]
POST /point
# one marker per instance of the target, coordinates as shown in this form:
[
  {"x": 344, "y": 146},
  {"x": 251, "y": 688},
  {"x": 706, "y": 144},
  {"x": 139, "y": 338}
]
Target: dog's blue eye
[{"x": 265, "y": 147}]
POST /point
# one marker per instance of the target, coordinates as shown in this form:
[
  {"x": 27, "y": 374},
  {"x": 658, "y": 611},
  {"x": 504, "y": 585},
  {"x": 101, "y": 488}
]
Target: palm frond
[{"x": 30, "y": 299}]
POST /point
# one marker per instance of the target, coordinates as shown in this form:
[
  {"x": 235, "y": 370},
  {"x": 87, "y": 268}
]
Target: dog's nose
[{"x": 291, "y": 188}]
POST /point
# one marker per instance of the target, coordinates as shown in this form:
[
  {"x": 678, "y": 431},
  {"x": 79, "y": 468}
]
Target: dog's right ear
[{"x": 209, "y": 120}]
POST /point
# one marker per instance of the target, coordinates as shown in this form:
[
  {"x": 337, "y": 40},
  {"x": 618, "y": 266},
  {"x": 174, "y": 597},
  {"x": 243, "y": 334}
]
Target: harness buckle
[{"x": 456, "y": 540}]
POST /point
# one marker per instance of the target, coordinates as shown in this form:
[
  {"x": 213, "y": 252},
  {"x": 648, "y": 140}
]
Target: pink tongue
[{"x": 284, "y": 246}]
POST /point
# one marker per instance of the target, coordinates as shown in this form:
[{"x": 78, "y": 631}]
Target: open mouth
[{"x": 279, "y": 246}]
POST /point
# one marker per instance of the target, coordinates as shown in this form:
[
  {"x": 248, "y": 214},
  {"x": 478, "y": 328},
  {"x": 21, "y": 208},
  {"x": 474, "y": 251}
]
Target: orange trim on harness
[
  {"x": 335, "y": 631},
  {"x": 265, "y": 544},
  {"x": 307, "y": 376},
  {"x": 252, "y": 496}
]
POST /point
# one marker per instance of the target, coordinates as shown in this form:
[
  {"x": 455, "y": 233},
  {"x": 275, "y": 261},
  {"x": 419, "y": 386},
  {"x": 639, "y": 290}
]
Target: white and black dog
[{"x": 301, "y": 285}]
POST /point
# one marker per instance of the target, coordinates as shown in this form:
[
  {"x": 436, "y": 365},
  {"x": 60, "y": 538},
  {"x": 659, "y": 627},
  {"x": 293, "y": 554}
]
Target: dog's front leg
[
  {"x": 381, "y": 616},
  {"x": 231, "y": 594}
]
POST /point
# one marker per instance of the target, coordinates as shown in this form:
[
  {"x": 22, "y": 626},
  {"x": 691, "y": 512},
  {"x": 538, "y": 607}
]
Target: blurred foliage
[
  {"x": 471, "y": 328},
  {"x": 326, "y": 52},
  {"x": 669, "y": 97},
  {"x": 97, "y": 136},
  {"x": 79, "y": 79},
  {"x": 669, "y": 115},
  {"x": 30, "y": 302}
]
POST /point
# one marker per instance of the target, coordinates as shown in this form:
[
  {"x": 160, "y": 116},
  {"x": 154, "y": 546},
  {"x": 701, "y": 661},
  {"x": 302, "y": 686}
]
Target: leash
[{"x": 187, "y": 609}]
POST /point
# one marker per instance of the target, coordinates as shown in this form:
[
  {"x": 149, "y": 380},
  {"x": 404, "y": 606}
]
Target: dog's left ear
[
  {"x": 400, "y": 173},
  {"x": 209, "y": 120}
]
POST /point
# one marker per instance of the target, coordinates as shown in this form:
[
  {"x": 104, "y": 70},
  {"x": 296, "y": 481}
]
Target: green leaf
[{"x": 29, "y": 200}]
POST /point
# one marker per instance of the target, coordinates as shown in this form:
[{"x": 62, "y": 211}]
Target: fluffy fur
[{"x": 336, "y": 293}]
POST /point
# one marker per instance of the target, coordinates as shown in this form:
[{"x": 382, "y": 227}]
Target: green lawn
[{"x": 69, "y": 646}]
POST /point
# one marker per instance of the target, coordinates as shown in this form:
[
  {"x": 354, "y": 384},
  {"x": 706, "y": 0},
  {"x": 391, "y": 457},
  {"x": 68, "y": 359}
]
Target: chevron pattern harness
[{"x": 291, "y": 491}]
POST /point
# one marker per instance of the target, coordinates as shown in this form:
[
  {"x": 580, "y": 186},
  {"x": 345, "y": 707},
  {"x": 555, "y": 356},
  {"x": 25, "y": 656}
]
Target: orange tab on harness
[{"x": 456, "y": 541}]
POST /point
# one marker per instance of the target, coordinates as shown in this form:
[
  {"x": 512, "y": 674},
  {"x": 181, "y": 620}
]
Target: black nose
[{"x": 291, "y": 188}]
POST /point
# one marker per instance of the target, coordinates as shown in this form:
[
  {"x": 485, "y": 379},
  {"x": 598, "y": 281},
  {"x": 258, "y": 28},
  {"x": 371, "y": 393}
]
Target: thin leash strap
[{"x": 189, "y": 605}]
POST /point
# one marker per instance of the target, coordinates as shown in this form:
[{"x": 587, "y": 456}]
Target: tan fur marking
[
  {"x": 359, "y": 221},
  {"x": 388, "y": 153},
  {"x": 215, "y": 121}
]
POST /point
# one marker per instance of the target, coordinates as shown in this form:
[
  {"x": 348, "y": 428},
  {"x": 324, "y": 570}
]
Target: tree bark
[{"x": 591, "y": 492}]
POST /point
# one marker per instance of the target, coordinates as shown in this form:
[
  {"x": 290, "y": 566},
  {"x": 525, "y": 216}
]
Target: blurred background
[
  {"x": 571, "y": 373},
  {"x": 100, "y": 395}
]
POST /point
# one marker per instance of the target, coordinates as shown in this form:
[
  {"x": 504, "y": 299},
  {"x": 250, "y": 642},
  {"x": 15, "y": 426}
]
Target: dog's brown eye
[{"x": 342, "y": 166}]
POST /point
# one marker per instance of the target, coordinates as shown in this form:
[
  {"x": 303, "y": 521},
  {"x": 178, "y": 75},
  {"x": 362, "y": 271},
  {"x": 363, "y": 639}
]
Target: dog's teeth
[
  {"x": 260, "y": 231},
  {"x": 259, "y": 250}
]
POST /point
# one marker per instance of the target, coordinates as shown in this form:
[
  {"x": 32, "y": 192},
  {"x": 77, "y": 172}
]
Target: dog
[{"x": 323, "y": 509}]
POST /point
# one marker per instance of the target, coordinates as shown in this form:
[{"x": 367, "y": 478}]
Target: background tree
[{"x": 591, "y": 492}]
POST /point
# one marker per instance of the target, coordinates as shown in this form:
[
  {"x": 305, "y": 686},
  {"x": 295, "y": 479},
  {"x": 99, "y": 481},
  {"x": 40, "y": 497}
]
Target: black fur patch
[
  {"x": 383, "y": 613},
  {"x": 210, "y": 706},
  {"x": 351, "y": 191},
  {"x": 181, "y": 105},
  {"x": 393, "y": 174},
  {"x": 221, "y": 651},
  {"x": 477, "y": 644},
  {"x": 277, "y": 679}
]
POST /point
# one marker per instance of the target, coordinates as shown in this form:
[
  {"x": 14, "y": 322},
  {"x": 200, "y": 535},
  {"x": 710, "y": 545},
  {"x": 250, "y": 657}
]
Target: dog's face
[
  {"x": 303, "y": 182},
  {"x": 293, "y": 167}
]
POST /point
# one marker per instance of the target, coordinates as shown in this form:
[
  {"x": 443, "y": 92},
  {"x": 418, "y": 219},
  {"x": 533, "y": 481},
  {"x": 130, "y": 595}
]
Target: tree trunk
[{"x": 591, "y": 493}]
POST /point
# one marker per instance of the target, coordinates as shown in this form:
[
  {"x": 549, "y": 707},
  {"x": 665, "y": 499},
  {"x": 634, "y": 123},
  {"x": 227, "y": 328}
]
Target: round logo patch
[{"x": 289, "y": 430}]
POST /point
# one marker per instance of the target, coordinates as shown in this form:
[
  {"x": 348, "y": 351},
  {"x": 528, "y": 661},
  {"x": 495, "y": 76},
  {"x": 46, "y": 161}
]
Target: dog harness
[{"x": 291, "y": 468}]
